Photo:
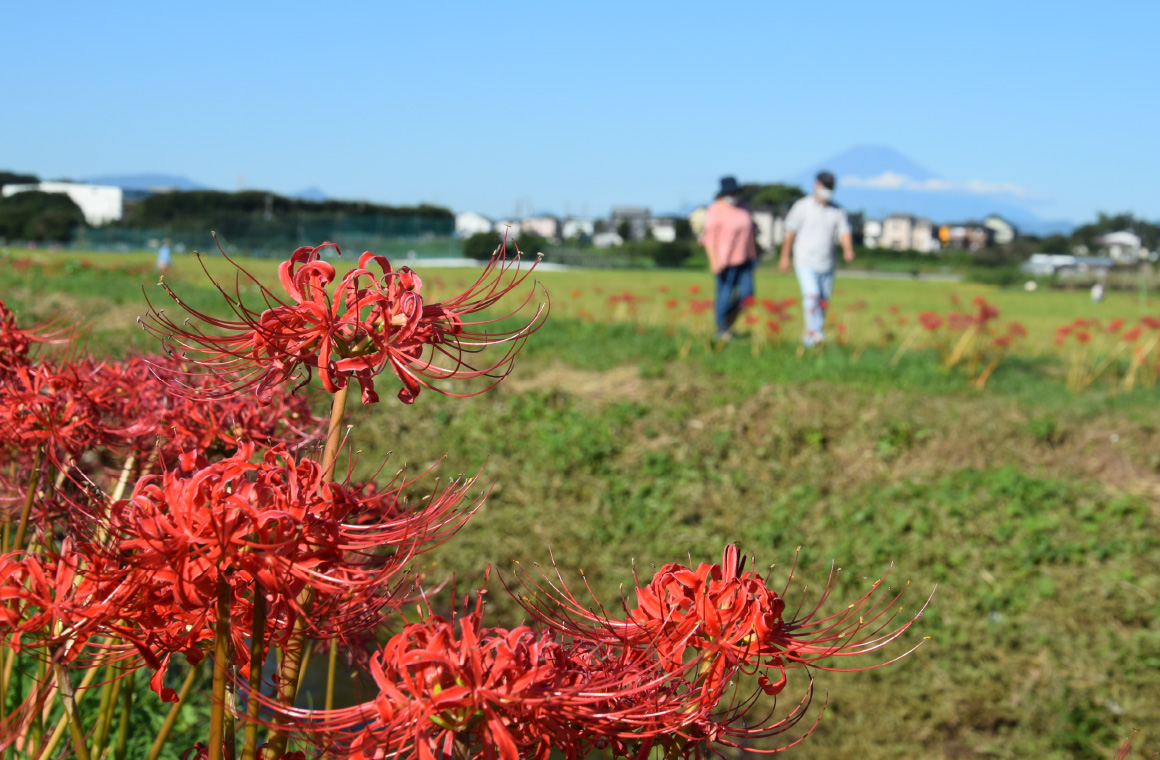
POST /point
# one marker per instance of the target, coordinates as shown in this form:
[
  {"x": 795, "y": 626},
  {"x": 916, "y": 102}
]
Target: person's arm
[
  {"x": 848, "y": 247},
  {"x": 786, "y": 247}
]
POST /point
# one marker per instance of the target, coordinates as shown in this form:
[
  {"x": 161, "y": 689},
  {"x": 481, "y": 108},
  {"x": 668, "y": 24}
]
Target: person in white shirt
[{"x": 811, "y": 227}]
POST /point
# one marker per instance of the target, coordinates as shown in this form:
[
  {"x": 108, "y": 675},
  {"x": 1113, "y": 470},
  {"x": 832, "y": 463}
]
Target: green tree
[
  {"x": 34, "y": 215},
  {"x": 481, "y": 245},
  {"x": 624, "y": 229},
  {"x": 776, "y": 196},
  {"x": 12, "y": 178}
]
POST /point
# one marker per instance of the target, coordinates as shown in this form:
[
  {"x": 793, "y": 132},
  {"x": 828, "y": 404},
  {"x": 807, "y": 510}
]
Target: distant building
[
  {"x": 607, "y": 239},
  {"x": 470, "y": 223},
  {"x": 897, "y": 232},
  {"x": 663, "y": 229},
  {"x": 871, "y": 233},
  {"x": 637, "y": 218},
  {"x": 1002, "y": 231},
  {"x": 99, "y": 203},
  {"x": 770, "y": 229},
  {"x": 544, "y": 225},
  {"x": 923, "y": 237},
  {"x": 966, "y": 236},
  {"x": 512, "y": 229},
  {"x": 1066, "y": 265},
  {"x": 1123, "y": 247},
  {"x": 577, "y": 228}
]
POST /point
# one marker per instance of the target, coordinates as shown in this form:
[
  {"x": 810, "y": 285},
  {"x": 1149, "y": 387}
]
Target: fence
[{"x": 262, "y": 236}]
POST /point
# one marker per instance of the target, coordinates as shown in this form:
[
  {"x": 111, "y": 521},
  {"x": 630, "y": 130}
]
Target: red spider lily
[
  {"x": 1016, "y": 329},
  {"x": 694, "y": 289},
  {"x": 577, "y": 293},
  {"x": 773, "y": 327},
  {"x": 1152, "y": 323},
  {"x": 136, "y": 392},
  {"x": 369, "y": 322},
  {"x": 672, "y": 303},
  {"x": 903, "y": 321},
  {"x": 930, "y": 321},
  {"x": 1115, "y": 325},
  {"x": 958, "y": 321},
  {"x": 1132, "y": 335},
  {"x": 748, "y": 302},
  {"x": 893, "y": 308},
  {"x": 43, "y": 407},
  {"x": 518, "y": 693},
  {"x": 16, "y": 343},
  {"x": 1083, "y": 336},
  {"x": 150, "y": 577},
  {"x": 1003, "y": 341},
  {"x": 700, "y": 306},
  {"x": 752, "y": 319}
]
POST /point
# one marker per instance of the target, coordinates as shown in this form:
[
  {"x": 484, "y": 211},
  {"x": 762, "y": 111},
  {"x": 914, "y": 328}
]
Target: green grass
[{"x": 1034, "y": 510}]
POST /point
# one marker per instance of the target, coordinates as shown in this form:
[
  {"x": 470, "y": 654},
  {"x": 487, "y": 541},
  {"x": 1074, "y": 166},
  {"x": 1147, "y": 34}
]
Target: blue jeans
[
  {"x": 817, "y": 287},
  {"x": 734, "y": 285}
]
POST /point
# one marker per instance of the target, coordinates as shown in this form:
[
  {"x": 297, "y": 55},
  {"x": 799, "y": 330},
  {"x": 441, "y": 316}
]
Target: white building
[
  {"x": 1005, "y": 232},
  {"x": 897, "y": 232},
  {"x": 923, "y": 237},
  {"x": 511, "y": 229},
  {"x": 99, "y": 203},
  {"x": 770, "y": 231},
  {"x": 575, "y": 228},
  {"x": 607, "y": 240},
  {"x": 470, "y": 223},
  {"x": 1124, "y": 247},
  {"x": 664, "y": 230},
  {"x": 871, "y": 233}
]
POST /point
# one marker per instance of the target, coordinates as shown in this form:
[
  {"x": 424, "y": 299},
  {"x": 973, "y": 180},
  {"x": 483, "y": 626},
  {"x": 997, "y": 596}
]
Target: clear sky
[{"x": 575, "y": 107}]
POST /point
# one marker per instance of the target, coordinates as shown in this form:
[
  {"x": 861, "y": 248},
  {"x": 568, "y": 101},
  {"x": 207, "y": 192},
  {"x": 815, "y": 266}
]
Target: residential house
[
  {"x": 635, "y": 216},
  {"x": 967, "y": 236},
  {"x": 897, "y": 232},
  {"x": 544, "y": 225},
  {"x": 770, "y": 232},
  {"x": 1123, "y": 247},
  {"x": 505, "y": 227},
  {"x": 99, "y": 203},
  {"x": 871, "y": 233},
  {"x": 577, "y": 228},
  {"x": 1003, "y": 232},
  {"x": 663, "y": 229},
  {"x": 470, "y": 223},
  {"x": 607, "y": 240},
  {"x": 923, "y": 237}
]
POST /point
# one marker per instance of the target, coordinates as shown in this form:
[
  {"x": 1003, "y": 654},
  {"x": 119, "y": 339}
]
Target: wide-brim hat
[{"x": 729, "y": 186}]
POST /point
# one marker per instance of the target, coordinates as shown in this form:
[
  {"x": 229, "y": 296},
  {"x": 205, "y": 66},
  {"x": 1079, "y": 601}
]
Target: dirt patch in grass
[{"x": 615, "y": 385}]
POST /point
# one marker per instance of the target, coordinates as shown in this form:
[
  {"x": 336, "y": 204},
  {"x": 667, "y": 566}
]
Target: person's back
[{"x": 816, "y": 227}]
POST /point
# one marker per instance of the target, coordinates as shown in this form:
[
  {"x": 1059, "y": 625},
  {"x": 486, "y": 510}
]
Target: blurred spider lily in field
[
  {"x": 1093, "y": 352},
  {"x": 372, "y": 319}
]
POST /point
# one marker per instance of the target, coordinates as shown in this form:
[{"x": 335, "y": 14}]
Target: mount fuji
[{"x": 880, "y": 181}]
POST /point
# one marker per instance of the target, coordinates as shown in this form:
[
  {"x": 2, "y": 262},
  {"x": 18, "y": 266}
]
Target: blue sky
[{"x": 577, "y": 107}]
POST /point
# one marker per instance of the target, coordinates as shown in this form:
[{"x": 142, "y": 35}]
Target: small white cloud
[{"x": 889, "y": 180}]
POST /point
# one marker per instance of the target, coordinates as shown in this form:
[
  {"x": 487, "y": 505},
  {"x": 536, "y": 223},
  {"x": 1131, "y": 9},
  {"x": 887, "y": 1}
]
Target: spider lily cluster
[{"x": 167, "y": 511}]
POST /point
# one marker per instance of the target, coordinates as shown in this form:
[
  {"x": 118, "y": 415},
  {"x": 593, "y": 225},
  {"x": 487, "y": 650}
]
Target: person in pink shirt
[{"x": 729, "y": 240}]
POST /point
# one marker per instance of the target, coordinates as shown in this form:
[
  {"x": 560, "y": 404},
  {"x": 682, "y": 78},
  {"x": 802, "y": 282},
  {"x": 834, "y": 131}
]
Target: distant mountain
[
  {"x": 312, "y": 193},
  {"x": 147, "y": 182},
  {"x": 880, "y": 181}
]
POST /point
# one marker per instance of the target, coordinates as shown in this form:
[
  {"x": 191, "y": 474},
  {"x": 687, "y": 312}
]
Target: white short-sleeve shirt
[{"x": 816, "y": 226}]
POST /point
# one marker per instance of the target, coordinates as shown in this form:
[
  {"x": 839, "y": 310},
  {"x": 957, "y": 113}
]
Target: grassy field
[{"x": 1035, "y": 510}]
